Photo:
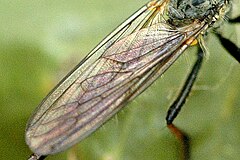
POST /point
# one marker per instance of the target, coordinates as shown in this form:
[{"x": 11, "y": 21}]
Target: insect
[{"x": 121, "y": 67}]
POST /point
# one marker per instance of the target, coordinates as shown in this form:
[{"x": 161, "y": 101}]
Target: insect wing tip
[{"x": 36, "y": 157}]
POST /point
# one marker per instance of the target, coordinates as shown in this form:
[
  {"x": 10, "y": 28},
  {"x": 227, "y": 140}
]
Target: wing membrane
[
  {"x": 116, "y": 71},
  {"x": 133, "y": 23}
]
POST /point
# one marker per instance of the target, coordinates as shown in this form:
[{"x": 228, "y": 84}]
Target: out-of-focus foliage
[{"x": 40, "y": 41}]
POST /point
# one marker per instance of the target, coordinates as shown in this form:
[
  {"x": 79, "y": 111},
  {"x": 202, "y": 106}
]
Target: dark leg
[
  {"x": 235, "y": 20},
  {"x": 177, "y": 105},
  {"x": 232, "y": 48}
]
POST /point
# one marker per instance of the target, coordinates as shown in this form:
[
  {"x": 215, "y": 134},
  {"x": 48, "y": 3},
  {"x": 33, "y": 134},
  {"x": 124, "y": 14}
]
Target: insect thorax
[{"x": 182, "y": 12}]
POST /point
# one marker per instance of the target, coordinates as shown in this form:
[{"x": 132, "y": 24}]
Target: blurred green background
[{"x": 41, "y": 41}]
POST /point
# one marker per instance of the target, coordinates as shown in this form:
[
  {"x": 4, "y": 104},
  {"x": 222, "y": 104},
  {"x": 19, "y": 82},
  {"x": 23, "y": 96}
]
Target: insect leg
[
  {"x": 175, "y": 108},
  {"x": 232, "y": 48},
  {"x": 184, "y": 140},
  {"x": 178, "y": 103},
  {"x": 234, "y": 20}
]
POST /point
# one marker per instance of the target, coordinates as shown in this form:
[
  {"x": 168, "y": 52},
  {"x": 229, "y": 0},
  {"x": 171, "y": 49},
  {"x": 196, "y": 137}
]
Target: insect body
[{"x": 122, "y": 66}]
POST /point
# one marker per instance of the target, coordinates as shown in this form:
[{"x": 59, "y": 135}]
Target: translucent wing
[{"x": 116, "y": 71}]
